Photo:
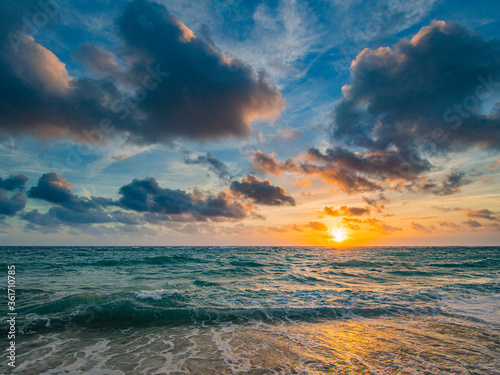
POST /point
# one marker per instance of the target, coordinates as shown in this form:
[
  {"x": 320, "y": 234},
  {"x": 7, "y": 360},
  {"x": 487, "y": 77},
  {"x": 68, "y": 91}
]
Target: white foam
[
  {"x": 155, "y": 294},
  {"x": 477, "y": 306}
]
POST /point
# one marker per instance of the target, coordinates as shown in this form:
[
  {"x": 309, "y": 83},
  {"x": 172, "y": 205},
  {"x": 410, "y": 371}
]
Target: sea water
[{"x": 254, "y": 310}]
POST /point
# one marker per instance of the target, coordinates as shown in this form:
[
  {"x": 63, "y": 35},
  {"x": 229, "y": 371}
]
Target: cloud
[
  {"x": 472, "y": 223},
  {"x": 346, "y": 211},
  {"x": 54, "y": 188},
  {"x": 374, "y": 224},
  {"x": 214, "y": 164},
  {"x": 376, "y": 203},
  {"x": 481, "y": 214},
  {"x": 447, "y": 209},
  {"x": 493, "y": 167},
  {"x": 381, "y": 227},
  {"x": 142, "y": 201},
  {"x": 450, "y": 184},
  {"x": 401, "y": 110},
  {"x": 312, "y": 225},
  {"x": 9, "y": 206},
  {"x": 398, "y": 97},
  {"x": 352, "y": 227},
  {"x": 147, "y": 196},
  {"x": 14, "y": 182},
  {"x": 171, "y": 85},
  {"x": 316, "y": 225},
  {"x": 420, "y": 228},
  {"x": 261, "y": 191},
  {"x": 449, "y": 224},
  {"x": 266, "y": 163},
  {"x": 379, "y": 163},
  {"x": 493, "y": 226},
  {"x": 348, "y": 180}
]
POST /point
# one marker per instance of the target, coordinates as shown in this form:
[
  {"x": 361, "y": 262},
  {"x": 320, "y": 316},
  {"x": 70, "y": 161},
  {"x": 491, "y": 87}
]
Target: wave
[
  {"x": 151, "y": 260},
  {"x": 355, "y": 263},
  {"x": 483, "y": 263},
  {"x": 247, "y": 264},
  {"x": 171, "y": 308}
]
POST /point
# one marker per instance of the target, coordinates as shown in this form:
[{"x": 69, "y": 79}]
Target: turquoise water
[{"x": 256, "y": 310}]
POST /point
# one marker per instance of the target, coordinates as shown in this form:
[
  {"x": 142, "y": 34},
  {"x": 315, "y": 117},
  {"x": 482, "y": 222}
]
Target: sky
[{"x": 238, "y": 123}]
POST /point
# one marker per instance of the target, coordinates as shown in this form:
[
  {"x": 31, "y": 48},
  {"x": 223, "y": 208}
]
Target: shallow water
[{"x": 259, "y": 310}]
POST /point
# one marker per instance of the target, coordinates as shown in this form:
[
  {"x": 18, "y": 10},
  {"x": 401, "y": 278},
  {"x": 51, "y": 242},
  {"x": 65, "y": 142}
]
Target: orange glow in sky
[{"x": 338, "y": 235}]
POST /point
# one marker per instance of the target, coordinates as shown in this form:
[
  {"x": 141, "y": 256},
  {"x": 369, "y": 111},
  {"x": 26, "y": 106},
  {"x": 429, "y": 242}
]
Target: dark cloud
[
  {"x": 404, "y": 104},
  {"x": 346, "y": 211},
  {"x": 266, "y": 163},
  {"x": 9, "y": 206},
  {"x": 13, "y": 203},
  {"x": 348, "y": 180},
  {"x": 214, "y": 164},
  {"x": 354, "y": 172},
  {"x": 16, "y": 182},
  {"x": 172, "y": 84},
  {"x": 406, "y": 99},
  {"x": 481, "y": 214},
  {"x": 379, "y": 163},
  {"x": 71, "y": 209},
  {"x": 151, "y": 203},
  {"x": 472, "y": 223},
  {"x": 450, "y": 184},
  {"x": 261, "y": 191},
  {"x": 54, "y": 188},
  {"x": 147, "y": 196},
  {"x": 377, "y": 203}
]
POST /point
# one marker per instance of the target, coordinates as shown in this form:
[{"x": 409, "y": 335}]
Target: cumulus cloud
[
  {"x": 399, "y": 96},
  {"x": 261, "y": 191},
  {"x": 14, "y": 182},
  {"x": 405, "y": 106},
  {"x": 346, "y": 211},
  {"x": 141, "y": 201},
  {"x": 172, "y": 84},
  {"x": 147, "y": 196},
  {"x": 10, "y": 205},
  {"x": 54, "y": 188}
]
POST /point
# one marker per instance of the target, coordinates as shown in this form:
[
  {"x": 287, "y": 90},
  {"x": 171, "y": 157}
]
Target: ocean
[{"x": 253, "y": 310}]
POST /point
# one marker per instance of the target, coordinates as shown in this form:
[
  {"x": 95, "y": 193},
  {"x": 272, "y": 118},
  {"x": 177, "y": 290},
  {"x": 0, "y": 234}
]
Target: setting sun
[{"x": 338, "y": 235}]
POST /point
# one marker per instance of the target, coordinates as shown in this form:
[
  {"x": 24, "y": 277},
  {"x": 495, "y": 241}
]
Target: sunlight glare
[{"x": 338, "y": 235}]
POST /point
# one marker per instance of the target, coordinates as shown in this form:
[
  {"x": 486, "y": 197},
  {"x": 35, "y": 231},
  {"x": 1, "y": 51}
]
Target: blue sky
[{"x": 321, "y": 84}]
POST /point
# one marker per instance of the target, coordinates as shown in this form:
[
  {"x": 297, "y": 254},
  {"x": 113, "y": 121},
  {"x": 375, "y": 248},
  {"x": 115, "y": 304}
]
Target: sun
[{"x": 338, "y": 235}]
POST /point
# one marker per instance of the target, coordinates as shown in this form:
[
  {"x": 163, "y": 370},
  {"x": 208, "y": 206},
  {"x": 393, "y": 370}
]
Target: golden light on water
[{"x": 338, "y": 235}]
